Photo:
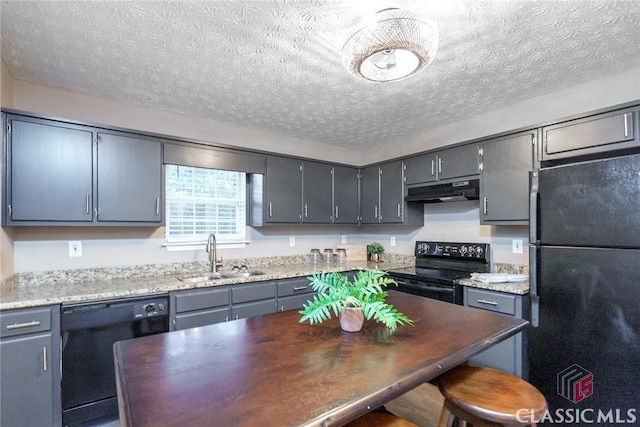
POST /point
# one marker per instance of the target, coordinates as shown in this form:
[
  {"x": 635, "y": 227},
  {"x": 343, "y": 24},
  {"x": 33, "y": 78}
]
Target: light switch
[
  {"x": 75, "y": 248},
  {"x": 516, "y": 246}
]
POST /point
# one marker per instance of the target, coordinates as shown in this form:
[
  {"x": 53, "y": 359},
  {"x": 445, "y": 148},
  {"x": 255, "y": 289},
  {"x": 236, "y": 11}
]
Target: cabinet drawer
[
  {"x": 492, "y": 301},
  {"x": 251, "y": 309},
  {"x": 200, "y": 318},
  {"x": 294, "y": 287},
  {"x": 294, "y": 301},
  {"x": 201, "y": 299},
  {"x": 20, "y": 322},
  {"x": 253, "y": 292}
]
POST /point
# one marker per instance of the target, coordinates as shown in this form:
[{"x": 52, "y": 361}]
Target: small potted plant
[
  {"x": 352, "y": 300},
  {"x": 375, "y": 251}
]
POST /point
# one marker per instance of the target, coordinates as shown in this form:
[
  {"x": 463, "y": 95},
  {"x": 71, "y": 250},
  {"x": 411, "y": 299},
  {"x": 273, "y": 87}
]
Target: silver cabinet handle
[
  {"x": 237, "y": 316},
  {"x": 439, "y": 164},
  {"x": 626, "y": 124},
  {"x": 300, "y": 288},
  {"x": 484, "y": 205},
  {"x": 306, "y": 210},
  {"x": 44, "y": 359},
  {"x": 399, "y": 213},
  {"x": 336, "y": 215},
  {"x": 23, "y": 325},
  {"x": 281, "y": 308},
  {"x": 87, "y": 201},
  {"x": 433, "y": 167},
  {"x": 270, "y": 210},
  {"x": 487, "y": 302},
  {"x": 375, "y": 212},
  {"x": 157, "y": 206}
]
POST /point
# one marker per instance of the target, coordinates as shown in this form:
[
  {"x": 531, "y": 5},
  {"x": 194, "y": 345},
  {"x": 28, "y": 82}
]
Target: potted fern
[
  {"x": 352, "y": 300},
  {"x": 375, "y": 251}
]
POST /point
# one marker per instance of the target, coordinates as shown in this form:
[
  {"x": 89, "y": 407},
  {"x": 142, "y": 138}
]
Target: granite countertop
[{"x": 32, "y": 291}]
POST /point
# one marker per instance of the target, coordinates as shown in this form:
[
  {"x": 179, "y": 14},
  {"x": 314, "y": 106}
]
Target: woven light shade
[{"x": 392, "y": 45}]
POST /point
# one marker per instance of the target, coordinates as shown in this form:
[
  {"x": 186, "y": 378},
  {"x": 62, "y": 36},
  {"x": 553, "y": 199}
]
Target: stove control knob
[
  {"x": 479, "y": 250},
  {"x": 463, "y": 250}
]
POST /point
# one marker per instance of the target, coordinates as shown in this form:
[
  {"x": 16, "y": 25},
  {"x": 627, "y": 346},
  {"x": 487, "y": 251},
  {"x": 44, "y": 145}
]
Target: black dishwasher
[{"x": 89, "y": 331}]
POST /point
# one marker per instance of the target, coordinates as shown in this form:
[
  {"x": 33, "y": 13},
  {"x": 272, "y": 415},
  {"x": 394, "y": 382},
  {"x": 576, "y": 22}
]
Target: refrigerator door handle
[
  {"x": 533, "y": 207},
  {"x": 533, "y": 286}
]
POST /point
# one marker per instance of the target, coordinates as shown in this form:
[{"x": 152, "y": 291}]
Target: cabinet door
[
  {"x": 283, "y": 190},
  {"x": 345, "y": 195},
  {"x": 370, "y": 195},
  {"x": 504, "y": 186},
  {"x": 603, "y": 132},
  {"x": 51, "y": 172},
  {"x": 420, "y": 169},
  {"x": 458, "y": 162},
  {"x": 256, "y": 308},
  {"x": 316, "y": 192},
  {"x": 26, "y": 381},
  {"x": 391, "y": 192},
  {"x": 129, "y": 179}
]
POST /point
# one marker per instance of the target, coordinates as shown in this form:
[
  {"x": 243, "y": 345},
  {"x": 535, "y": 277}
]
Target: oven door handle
[{"x": 446, "y": 290}]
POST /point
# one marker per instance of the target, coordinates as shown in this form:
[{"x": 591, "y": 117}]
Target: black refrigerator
[{"x": 584, "y": 339}]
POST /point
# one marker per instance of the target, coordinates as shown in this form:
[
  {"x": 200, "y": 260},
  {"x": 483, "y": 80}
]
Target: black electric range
[{"x": 438, "y": 267}]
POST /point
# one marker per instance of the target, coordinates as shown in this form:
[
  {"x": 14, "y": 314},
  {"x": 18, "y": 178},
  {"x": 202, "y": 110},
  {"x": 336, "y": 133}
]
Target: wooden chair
[{"x": 485, "y": 397}]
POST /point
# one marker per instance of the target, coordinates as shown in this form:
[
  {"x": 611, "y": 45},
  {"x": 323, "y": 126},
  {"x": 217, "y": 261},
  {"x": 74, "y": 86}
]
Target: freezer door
[
  {"x": 595, "y": 203},
  {"x": 588, "y": 316}
]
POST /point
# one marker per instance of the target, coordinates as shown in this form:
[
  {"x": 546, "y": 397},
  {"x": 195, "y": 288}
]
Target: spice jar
[
  {"x": 328, "y": 255},
  {"x": 315, "y": 256},
  {"x": 341, "y": 255}
]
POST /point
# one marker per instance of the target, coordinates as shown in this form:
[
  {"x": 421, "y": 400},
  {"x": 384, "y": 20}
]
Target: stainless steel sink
[{"x": 212, "y": 277}]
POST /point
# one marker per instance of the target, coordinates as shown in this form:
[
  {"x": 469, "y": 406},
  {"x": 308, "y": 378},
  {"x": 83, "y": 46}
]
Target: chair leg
[{"x": 446, "y": 418}]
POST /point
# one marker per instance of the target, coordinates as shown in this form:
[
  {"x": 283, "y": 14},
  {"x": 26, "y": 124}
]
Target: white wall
[{"x": 47, "y": 248}]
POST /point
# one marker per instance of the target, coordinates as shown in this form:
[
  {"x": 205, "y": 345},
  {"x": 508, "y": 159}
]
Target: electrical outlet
[
  {"x": 516, "y": 246},
  {"x": 393, "y": 241},
  {"x": 75, "y": 248},
  {"x": 343, "y": 240},
  {"x": 292, "y": 241}
]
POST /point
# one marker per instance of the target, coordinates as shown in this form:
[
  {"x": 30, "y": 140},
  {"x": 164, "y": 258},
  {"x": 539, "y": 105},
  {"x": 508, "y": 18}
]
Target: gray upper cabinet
[
  {"x": 421, "y": 168},
  {"x": 49, "y": 172},
  {"x": 283, "y": 186},
  {"x": 447, "y": 164},
  {"x": 317, "y": 190},
  {"x": 382, "y": 196},
  {"x": 458, "y": 162},
  {"x": 345, "y": 195},
  {"x": 129, "y": 179},
  {"x": 370, "y": 195},
  {"x": 64, "y": 174},
  {"x": 298, "y": 191},
  {"x": 504, "y": 180},
  {"x": 602, "y": 132}
]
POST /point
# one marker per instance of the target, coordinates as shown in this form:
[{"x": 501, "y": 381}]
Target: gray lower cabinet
[
  {"x": 60, "y": 173},
  {"x": 294, "y": 293},
  {"x": 597, "y": 133},
  {"x": 253, "y": 299},
  {"x": 509, "y": 355},
  {"x": 198, "y": 307},
  {"x": 504, "y": 179},
  {"x": 30, "y": 368}
]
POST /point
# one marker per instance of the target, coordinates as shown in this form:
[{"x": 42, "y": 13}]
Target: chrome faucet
[{"x": 211, "y": 249}]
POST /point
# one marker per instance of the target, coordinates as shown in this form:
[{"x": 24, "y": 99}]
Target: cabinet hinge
[
  {"x": 480, "y": 167},
  {"x": 9, "y": 210},
  {"x": 534, "y": 141},
  {"x": 95, "y": 140},
  {"x": 480, "y": 151}
]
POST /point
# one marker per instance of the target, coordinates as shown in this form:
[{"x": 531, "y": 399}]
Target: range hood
[{"x": 450, "y": 192}]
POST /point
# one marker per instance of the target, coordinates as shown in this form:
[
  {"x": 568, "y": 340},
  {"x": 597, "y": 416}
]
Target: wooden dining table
[{"x": 274, "y": 371}]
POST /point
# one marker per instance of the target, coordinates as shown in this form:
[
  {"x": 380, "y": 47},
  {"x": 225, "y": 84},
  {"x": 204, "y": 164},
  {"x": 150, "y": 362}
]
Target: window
[{"x": 203, "y": 201}]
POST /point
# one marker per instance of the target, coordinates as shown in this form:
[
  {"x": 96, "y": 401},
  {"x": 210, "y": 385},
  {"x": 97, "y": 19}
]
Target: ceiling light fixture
[{"x": 391, "y": 45}]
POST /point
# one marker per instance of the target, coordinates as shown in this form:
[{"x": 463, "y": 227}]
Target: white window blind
[{"x": 203, "y": 201}]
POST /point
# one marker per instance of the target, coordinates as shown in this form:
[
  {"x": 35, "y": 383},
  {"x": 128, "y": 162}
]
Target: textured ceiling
[{"x": 275, "y": 65}]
